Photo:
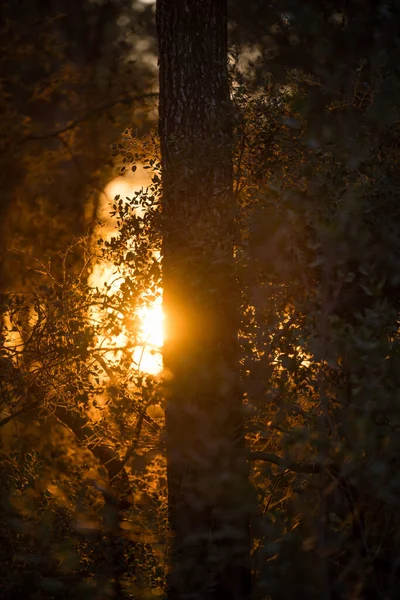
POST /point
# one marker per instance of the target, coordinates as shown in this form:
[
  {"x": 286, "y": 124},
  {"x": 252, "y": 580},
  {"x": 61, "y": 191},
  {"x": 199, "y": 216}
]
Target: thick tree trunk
[{"x": 207, "y": 476}]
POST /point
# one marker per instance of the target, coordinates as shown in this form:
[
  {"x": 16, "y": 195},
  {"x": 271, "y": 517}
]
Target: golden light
[{"x": 146, "y": 356}]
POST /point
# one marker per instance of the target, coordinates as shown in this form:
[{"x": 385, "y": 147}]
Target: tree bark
[{"x": 207, "y": 472}]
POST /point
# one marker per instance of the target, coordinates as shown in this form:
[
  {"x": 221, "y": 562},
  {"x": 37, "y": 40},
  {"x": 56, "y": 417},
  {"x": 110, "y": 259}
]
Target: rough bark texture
[{"x": 207, "y": 477}]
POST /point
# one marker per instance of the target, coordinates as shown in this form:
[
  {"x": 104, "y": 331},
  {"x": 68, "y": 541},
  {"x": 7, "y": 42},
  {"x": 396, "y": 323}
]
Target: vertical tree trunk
[{"x": 207, "y": 474}]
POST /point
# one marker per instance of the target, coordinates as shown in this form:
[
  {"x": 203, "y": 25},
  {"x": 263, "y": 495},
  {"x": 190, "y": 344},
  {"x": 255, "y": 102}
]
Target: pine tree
[{"x": 205, "y": 448}]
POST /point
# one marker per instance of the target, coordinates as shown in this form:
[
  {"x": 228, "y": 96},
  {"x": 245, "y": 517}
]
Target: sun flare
[
  {"x": 147, "y": 355},
  {"x": 152, "y": 324}
]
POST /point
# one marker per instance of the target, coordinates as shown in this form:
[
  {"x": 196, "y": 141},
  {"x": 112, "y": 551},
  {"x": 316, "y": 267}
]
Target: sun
[
  {"x": 149, "y": 337},
  {"x": 152, "y": 324},
  {"x": 147, "y": 355}
]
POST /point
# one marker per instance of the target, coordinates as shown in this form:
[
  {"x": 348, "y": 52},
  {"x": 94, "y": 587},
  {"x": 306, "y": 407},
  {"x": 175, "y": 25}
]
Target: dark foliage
[{"x": 83, "y": 472}]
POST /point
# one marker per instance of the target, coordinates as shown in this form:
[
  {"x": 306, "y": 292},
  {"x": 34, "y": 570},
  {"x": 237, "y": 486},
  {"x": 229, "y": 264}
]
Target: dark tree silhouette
[{"x": 206, "y": 466}]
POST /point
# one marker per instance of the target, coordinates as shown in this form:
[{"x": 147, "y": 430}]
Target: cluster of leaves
[
  {"x": 83, "y": 470},
  {"x": 72, "y": 76},
  {"x": 319, "y": 261}
]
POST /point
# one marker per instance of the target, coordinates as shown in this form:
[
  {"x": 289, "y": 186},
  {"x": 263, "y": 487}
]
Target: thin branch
[
  {"x": 103, "y": 363},
  {"x": 24, "y": 410},
  {"x": 83, "y": 431},
  {"x": 133, "y": 447},
  {"x": 280, "y": 462},
  {"x": 86, "y": 117}
]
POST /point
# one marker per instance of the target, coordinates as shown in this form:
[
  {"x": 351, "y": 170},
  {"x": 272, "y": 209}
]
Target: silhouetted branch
[
  {"x": 79, "y": 425},
  {"x": 135, "y": 441},
  {"x": 17, "y": 413},
  {"x": 86, "y": 117},
  {"x": 280, "y": 462},
  {"x": 103, "y": 363},
  {"x": 82, "y": 429}
]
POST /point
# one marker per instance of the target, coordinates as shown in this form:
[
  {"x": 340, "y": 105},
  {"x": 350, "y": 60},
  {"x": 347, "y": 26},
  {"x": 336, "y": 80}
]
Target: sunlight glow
[
  {"x": 146, "y": 356},
  {"x": 152, "y": 324}
]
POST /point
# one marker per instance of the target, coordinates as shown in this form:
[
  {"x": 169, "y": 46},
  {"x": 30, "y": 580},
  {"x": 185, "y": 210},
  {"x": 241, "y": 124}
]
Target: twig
[
  {"x": 280, "y": 462},
  {"x": 86, "y": 117}
]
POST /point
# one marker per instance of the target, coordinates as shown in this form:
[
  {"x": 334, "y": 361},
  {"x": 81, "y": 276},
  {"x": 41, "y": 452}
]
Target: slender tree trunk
[{"x": 207, "y": 474}]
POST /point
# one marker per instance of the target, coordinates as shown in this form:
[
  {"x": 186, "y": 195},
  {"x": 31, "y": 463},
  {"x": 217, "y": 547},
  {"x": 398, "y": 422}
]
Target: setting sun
[{"x": 147, "y": 356}]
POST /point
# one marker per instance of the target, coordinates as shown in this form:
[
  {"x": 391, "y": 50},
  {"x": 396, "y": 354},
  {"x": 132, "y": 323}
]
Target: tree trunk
[{"x": 207, "y": 473}]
